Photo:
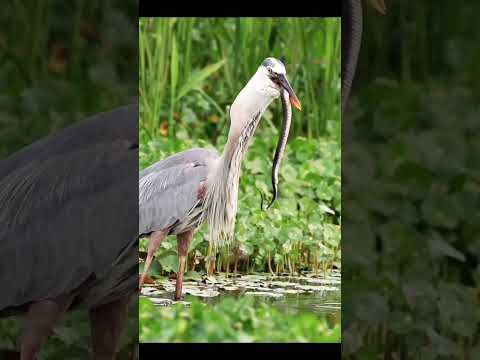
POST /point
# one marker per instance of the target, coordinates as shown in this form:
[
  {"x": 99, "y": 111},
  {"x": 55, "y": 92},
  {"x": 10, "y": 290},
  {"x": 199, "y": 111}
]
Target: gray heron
[
  {"x": 68, "y": 237},
  {"x": 179, "y": 193}
]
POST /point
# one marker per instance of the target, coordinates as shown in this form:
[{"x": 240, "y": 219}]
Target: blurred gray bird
[{"x": 68, "y": 236}]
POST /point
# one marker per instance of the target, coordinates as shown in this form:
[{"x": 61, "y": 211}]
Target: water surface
[{"x": 305, "y": 293}]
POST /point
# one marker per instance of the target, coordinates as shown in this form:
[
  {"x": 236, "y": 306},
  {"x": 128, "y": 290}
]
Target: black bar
[
  {"x": 326, "y": 350},
  {"x": 266, "y": 8}
]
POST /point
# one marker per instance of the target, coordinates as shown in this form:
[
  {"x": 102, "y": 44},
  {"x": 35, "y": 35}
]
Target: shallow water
[{"x": 298, "y": 294}]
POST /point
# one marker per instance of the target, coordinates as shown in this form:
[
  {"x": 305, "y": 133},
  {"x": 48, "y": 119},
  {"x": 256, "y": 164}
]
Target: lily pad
[
  {"x": 264, "y": 293},
  {"x": 282, "y": 284},
  {"x": 230, "y": 288},
  {"x": 210, "y": 279},
  {"x": 288, "y": 291},
  {"x": 167, "y": 302},
  {"x": 323, "y": 281},
  {"x": 328, "y": 307},
  {"x": 192, "y": 275},
  {"x": 317, "y": 288},
  {"x": 205, "y": 292},
  {"x": 151, "y": 291},
  {"x": 161, "y": 301}
]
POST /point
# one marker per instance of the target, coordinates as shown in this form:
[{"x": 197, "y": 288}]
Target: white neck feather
[{"x": 220, "y": 205}]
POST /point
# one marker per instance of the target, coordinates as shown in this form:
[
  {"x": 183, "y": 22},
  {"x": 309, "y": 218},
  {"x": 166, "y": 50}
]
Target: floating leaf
[
  {"x": 440, "y": 247},
  {"x": 264, "y": 293}
]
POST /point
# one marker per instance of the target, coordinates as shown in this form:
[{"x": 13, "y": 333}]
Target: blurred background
[
  {"x": 190, "y": 71},
  {"x": 59, "y": 63},
  {"x": 411, "y": 244}
]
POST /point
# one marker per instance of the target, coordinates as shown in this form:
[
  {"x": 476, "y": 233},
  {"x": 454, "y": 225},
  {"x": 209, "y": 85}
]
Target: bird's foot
[{"x": 179, "y": 296}]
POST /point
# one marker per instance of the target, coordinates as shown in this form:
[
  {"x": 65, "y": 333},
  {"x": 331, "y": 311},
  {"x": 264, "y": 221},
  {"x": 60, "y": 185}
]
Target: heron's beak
[
  {"x": 282, "y": 79},
  {"x": 379, "y": 5}
]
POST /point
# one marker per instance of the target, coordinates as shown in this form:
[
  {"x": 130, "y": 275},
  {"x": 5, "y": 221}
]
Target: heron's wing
[
  {"x": 63, "y": 221},
  {"x": 197, "y": 156},
  {"x": 166, "y": 195},
  {"x": 118, "y": 124}
]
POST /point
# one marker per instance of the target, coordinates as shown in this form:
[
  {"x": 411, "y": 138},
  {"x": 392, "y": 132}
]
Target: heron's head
[{"x": 273, "y": 77}]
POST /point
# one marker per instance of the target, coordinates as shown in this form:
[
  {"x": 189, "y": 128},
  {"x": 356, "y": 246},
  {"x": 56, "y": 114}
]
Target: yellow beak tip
[{"x": 296, "y": 103}]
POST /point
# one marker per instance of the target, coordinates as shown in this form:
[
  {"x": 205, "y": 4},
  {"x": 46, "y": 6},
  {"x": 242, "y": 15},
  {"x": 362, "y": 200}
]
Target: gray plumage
[
  {"x": 118, "y": 124},
  {"x": 168, "y": 190},
  {"x": 66, "y": 215}
]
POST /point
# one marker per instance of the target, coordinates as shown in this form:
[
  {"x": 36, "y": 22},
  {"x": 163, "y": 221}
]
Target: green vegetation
[
  {"x": 411, "y": 187},
  {"x": 300, "y": 231},
  {"x": 71, "y": 338},
  {"x": 191, "y": 70},
  {"x": 303, "y": 229},
  {"x": 60, "y": 62},
  {"x": 230, "y": 321}
]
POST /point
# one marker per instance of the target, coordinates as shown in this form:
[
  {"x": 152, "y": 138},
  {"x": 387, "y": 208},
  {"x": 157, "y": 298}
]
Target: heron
[
  {"x": 179, "y": 193},
  {"x": 62, "y": 247}
]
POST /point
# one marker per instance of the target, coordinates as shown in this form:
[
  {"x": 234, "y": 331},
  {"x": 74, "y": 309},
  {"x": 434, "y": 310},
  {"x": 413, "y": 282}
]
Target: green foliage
[
  {"x": 300, "y": 231},
  {"x": 182, "y": 109},
  {"x": 190, "y": 71},
  {"x": 60, "y": 62},
  {"x": 414, "y": 143},
  {"x": 231, "y": 321},
  {"x": 210, "y": 60},
  {"x": 71, "y": 338},
  {"x": 414, "y": 136}
]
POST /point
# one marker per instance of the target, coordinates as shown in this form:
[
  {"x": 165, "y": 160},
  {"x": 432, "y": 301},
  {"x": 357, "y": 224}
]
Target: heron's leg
[
  {"x": 237, "y": 255},
  {"x": 184, "y": 240},
  {"x": 40, "y": 320},
  {"x": 154, "y": 242},
  {"x": 107, "y": 323}
]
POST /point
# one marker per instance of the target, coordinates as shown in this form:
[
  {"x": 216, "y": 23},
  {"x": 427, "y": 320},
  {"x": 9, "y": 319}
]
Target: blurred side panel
[
  {"x": 69, "y": 171},
  {"x": 410, "y": 195}
]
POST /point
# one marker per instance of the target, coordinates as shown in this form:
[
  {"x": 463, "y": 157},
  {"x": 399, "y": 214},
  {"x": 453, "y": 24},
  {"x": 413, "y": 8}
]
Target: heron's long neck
[
  {"x": 237, "y": 146},
  {"x": 222, "y": 190},
  {"x": 242, "y": 128},
  {"x": 245, "y": 114}
]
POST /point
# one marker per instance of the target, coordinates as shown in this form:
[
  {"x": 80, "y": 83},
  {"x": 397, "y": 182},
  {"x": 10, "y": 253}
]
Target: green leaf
[
  {"x": 67, "y": 334},
  {"x": 193, "y": 275},
  {"x": 174, "y": 65},
  {"x": 169, "y": 261},
  {"x": 197, "y": 78},
  {"x": 440, "y": 248},
  {"x": 326, "y": 209}
]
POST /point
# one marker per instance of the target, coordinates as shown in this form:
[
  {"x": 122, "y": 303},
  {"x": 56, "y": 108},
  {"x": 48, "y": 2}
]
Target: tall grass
[
  {"x": 60, "y": 62},
  {"x": 416, "y": 42},
  {"x": 214, "y": 58}
]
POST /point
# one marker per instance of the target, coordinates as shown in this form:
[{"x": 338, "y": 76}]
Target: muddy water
[{"x": 318, "y": 294}]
